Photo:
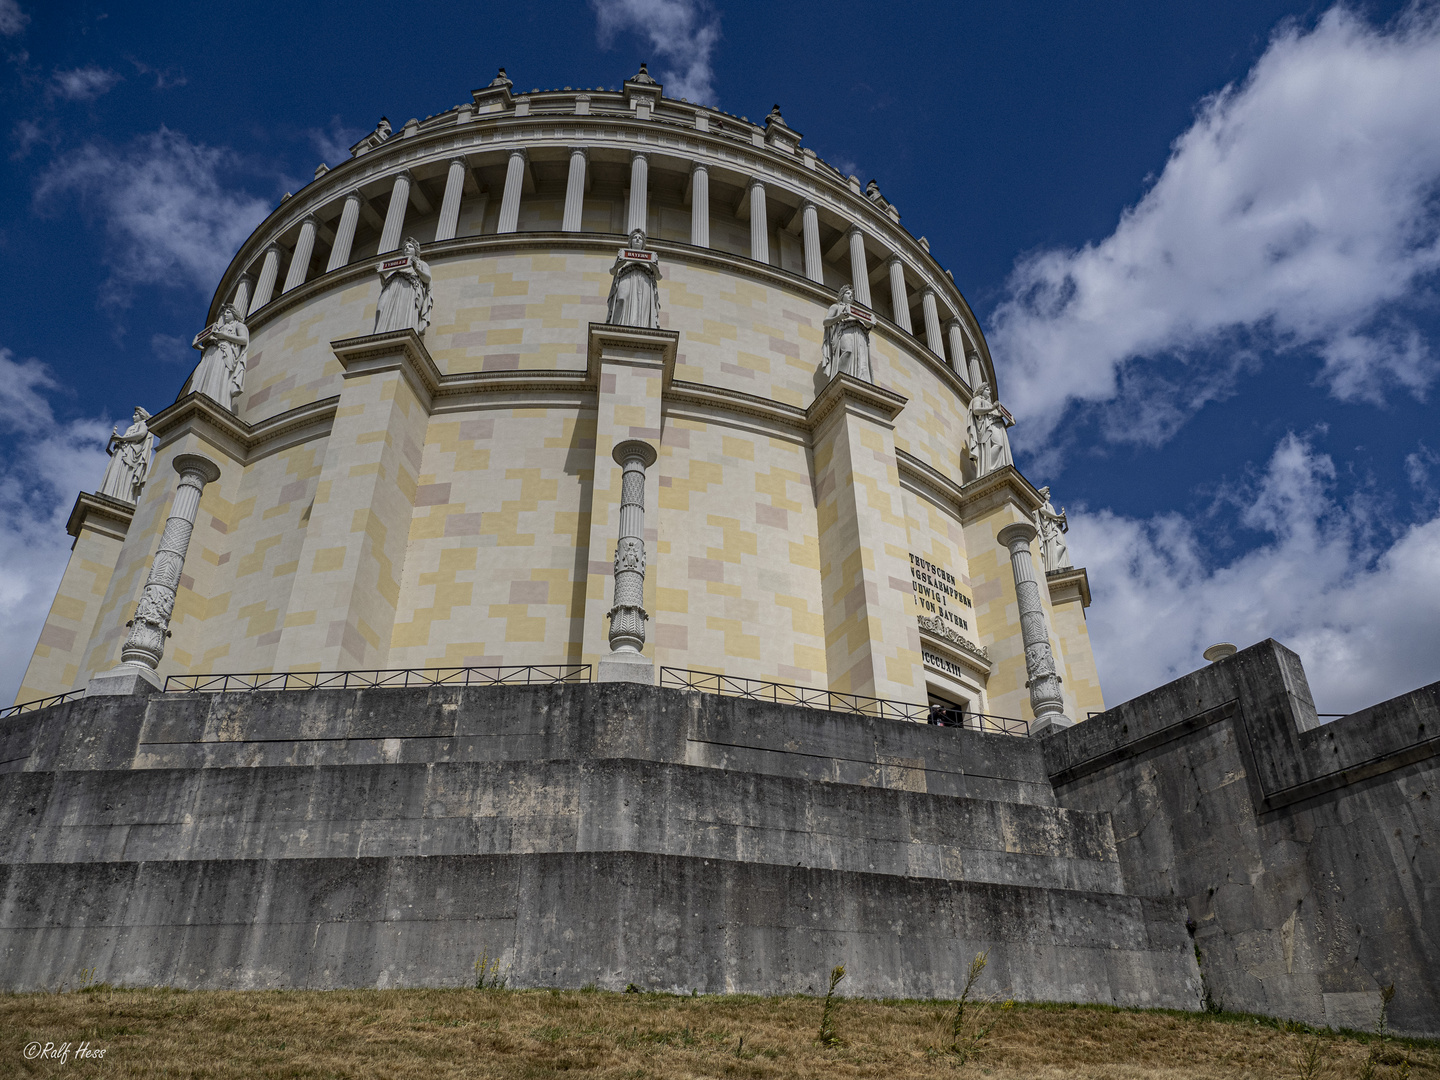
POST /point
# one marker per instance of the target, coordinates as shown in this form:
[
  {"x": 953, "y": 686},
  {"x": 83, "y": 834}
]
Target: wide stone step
[{"x": 523, "y": 807}]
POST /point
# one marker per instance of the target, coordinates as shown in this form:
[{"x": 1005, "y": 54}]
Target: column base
[
  {"x": 124, "y": 680},
  {"x": 625, "y": 667},
  {"x": 1048, "y": 725}
]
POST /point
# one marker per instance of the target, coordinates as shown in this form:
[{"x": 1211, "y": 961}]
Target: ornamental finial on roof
[
  {"x": 775, "y": 117},
  {"x": 502, "y": 80},
  {"x": 644, "y": 77}
]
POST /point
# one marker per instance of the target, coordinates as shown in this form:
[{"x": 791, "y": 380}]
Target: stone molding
[
  {"x": 1067, "y": 583},
  {"x": 936, "y": 634},
  {"x": 856, "y": 396},
  {"x": 1004, "y": 484},
  {"x": 238, "y": 440},
  {"x": 101, "y": 514}
]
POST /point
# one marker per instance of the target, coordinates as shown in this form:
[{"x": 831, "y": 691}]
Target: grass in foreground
[{"x": 544, "y": 1033}]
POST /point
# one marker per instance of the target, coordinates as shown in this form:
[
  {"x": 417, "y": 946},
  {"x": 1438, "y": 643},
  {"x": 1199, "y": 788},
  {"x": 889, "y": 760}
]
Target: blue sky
[{"x": 1203, "y": 242}]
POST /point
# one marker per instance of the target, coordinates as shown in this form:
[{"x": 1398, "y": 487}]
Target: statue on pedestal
[
  {"x": 129, "y": 459},
  {"x": 846, "y": 349},
  {"x": 989, "y": 443},
  {"x": 634, "y": 294},
  {"x": 405, "y": 300},
  {"x": 1053, "y": 550},
  {"x": 223, "y": 345}
]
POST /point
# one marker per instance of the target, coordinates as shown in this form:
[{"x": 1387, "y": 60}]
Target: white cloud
[
  {"x": 82, "y": 84},
  {"x": 333, "y": 144},
  {"x": 1361, "y": 609},
  {"x": 44, "y": 464},
  {"x": 1299, "y": 213},
  {"x": 682, "y": 32},
  {"x": 172, "y": 211},
  {"x": 12, "y": 19}
]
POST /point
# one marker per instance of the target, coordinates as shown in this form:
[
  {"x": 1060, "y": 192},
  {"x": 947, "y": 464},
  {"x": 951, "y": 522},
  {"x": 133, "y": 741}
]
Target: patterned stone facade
[{"x": 393, "y": 501}]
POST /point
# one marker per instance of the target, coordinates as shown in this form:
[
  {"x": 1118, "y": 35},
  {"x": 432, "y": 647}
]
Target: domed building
[{"x": 420, "y": 379}]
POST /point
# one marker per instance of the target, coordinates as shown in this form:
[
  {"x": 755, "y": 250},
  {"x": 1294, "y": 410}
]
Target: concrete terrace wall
[
  {"x": 585, "y": 833},
  {"x": 1306, "y": 855}
]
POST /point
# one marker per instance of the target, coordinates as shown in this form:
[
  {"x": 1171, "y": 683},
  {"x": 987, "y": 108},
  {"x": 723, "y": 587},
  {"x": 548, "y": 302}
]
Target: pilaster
[
  {"x": 1069, "y": 591},
  {"x": 631, "y": 367},
  {"x": 872, "y": 641},
  {"x": 348, "y": 587}
]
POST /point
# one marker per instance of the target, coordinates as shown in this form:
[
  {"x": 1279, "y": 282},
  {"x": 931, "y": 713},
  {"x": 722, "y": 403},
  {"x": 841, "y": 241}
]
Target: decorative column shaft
[
  {"x": 300, "y": 260},
  {"x": 1044, "y": 682},
  {"x": 810, "y": 230},
  {"x": 510, "y": 200},
  {"x": 345, "y": 233},
  {"x": 575, "y": 190},
  {"x": 450, "y": 204},
  {"x": 151, "y": 625},
  {"x": 700, "y": 206},
  {"x": 973, "y": 362},
  {"x": 395, "y": 215},
  {"x": 639, "y": 192},
  {"x": 957, "y": 347},
  {"x": 759, "y": 227},
  {"x": 899, "y": 298},
  {"x": 265, "y": 287},
  {"x": 859, "y": 270},
  {"x": 933, "y": 338},
  {"x": 241, "y": 299},
  {"x": 627, "y": 617}
]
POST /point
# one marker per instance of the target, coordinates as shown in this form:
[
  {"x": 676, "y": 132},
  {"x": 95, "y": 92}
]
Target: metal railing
[
  {"x": 41, "y": 703},
  {"x": 500, "y": 675},
  {"x": 807, "y": 697}
]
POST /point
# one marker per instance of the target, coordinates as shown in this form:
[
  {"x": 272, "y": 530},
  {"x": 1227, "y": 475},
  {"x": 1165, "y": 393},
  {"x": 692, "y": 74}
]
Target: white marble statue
[
  {"x": 846, "y": 349},
  {"x": 405, "y": 300},
  {"x": 223, "y": 344},
  {"x": 634, "y": 294},
  {"x": 1051, "y": 526},
  {"x": 129, "y": 459},
  {"x": 989, "y": 443}
]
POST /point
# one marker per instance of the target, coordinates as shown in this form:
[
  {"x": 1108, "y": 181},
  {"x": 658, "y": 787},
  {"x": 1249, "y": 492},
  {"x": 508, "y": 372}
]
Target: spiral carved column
[
  {"x": 151, "y": 624},
  {"x": 1043, "y": 680},
  {"x": 627, "y": 616}
]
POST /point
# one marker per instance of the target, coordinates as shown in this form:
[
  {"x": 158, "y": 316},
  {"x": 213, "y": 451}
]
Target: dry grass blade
[{"x": 828, "y": 1037}]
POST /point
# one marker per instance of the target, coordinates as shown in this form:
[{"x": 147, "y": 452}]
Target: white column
[
  {"x": 759, "y": 227},
  {"x": 395, "y": 216},
  {"x": 899, "y": 300},
  {"x": 450, "y": 204},
  {"x": 265, "y": 287},
  {"x": 575, "y": 190},
  {"x": 957, "y": 347},
  {"x": 1044, "y": 682},
  {"x": 627, "y": 617},
  {"x": 810, "y": 229},
  {"x": 345, "y": 232},
  {"x": 145, "y": 644},
  {"x": 300, "y": 260},
  {"x": 510, "y": 201},
  {"x": 639, "y": 192},
  {"x": 976, "y": 378},
  {"x": 859, "y": 271},
  {"x": 933, "y": 337},
  {"x": 700, "y": 206},
  {"x": 241, "y": 300}
]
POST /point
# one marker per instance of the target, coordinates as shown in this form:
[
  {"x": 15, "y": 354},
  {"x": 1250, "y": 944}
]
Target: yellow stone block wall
[
  {"x": 55, "y": 666},
  {"x": 493, "y": 573},
  {"x": 738, "y": 555},
  {"x": 1082, "y": 680}
]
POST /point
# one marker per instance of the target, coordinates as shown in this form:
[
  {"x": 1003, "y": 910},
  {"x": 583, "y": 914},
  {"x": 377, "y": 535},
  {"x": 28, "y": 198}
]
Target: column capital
[
  {"x": 520, "y": 152},
  {"x": 583, "y": 151},
  {"x": 755, "y": 181},
  {"x": 404, "y": 174},
  {"x": 462, "y": 161},
  {"x": 895, "y": 260},
  {"x": 953, "y": 322},
  {"x": 354, "y": 193},
  {"x": 309, "y": 219},
  {"x": 929, "y": 290},
  {"x": 197, "y": 465},
  {"x": 853, "y": 229},
  {"x": 274, "y": 246},
  {"x": 644, "y": 155},
  {"x": 699, "y": 166},
  {"x": 807, "y": 204},
  {"x": 1018, "y": 535},
  {"x": 634, "y": 448}
]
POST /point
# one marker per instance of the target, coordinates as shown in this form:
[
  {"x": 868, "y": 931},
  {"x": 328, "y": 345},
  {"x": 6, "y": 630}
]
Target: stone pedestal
[{"x": 126, "y": 680}]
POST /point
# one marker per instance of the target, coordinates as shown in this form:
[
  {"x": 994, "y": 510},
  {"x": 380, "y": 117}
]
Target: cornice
[
  {"x": 240, "y": 441},
  {"x": 101, "y": 514},
  {"x": 958, "y": 650},
  {"x": 1003, "y": 482},
  {"x": 854, "y": 396},
  {"x": 920, "y": 474},
  {"x": 1070, "y": 577}
]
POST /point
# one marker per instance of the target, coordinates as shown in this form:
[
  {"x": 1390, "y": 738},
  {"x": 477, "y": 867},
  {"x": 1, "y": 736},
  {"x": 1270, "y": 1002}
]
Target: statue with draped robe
[
  {"x": 223, "y": 344},
  {"x": 1054, "y": 552},
  {"x": 405, "y": 300},
  {"x": 129, "y": 459},
  {"x": 989, "y": 443},
  {"x": 846, "y": 348},
  {"x": 635, "y": 293}
]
